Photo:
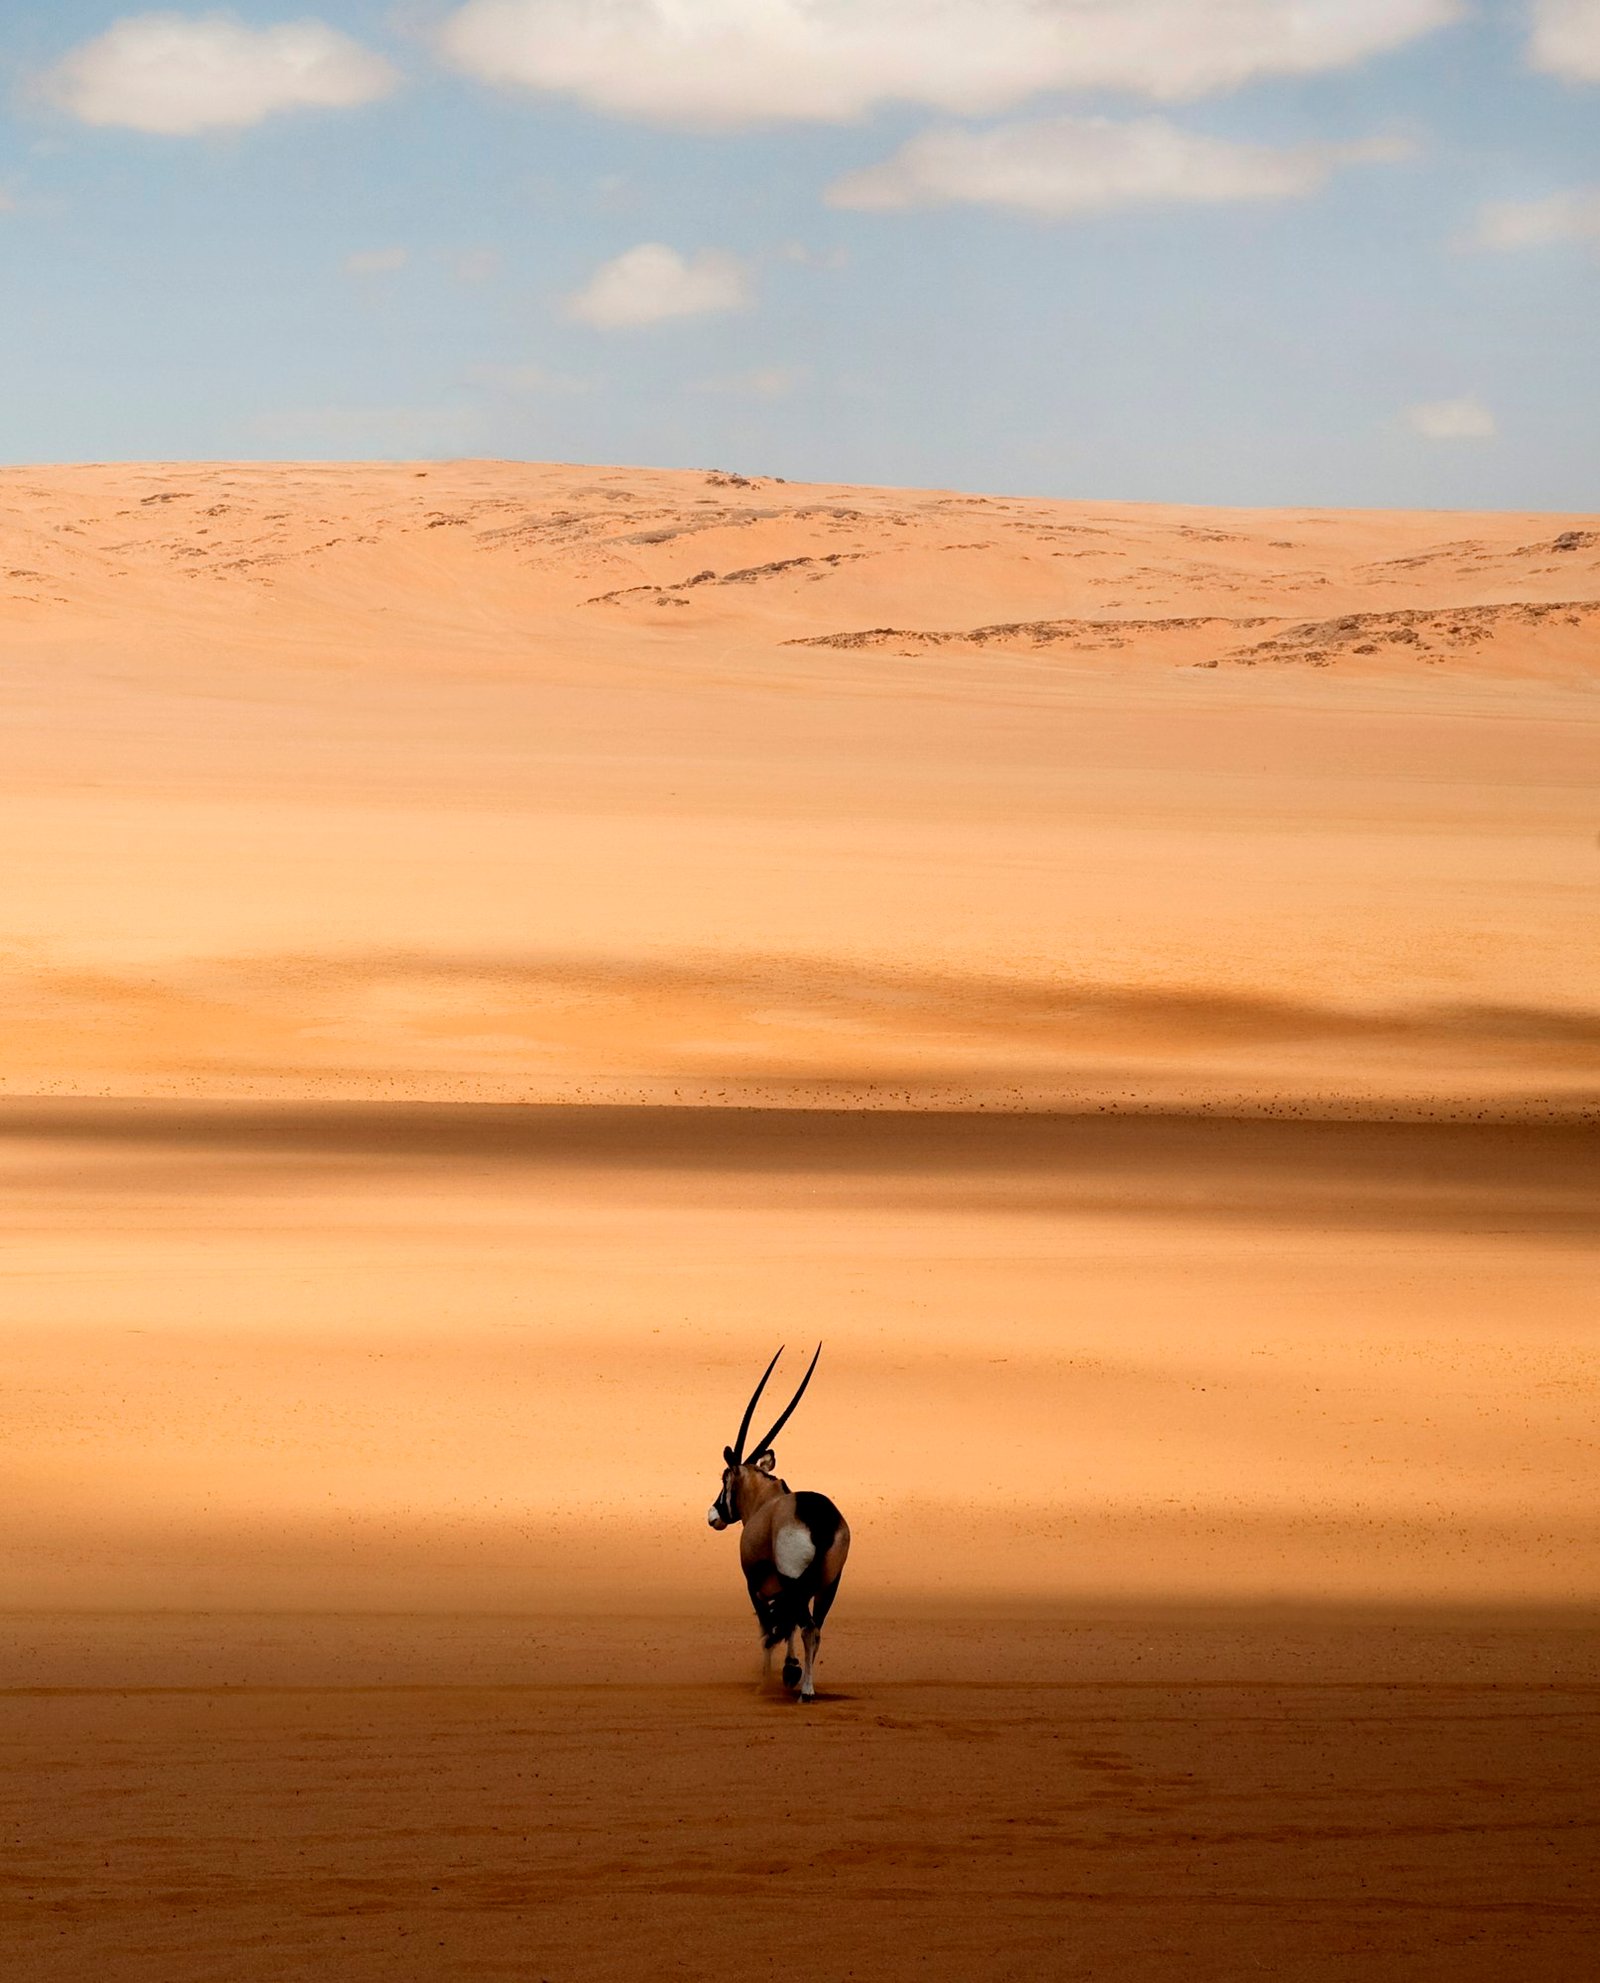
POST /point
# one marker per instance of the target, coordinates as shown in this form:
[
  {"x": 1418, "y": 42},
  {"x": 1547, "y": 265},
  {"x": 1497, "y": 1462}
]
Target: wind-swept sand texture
[
  {"x": 491, "y": 950},
  {"x": 1139, "y": 1794}
]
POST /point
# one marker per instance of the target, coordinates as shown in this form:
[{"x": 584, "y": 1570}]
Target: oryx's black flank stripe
[{"x": 822, "y": 1518}]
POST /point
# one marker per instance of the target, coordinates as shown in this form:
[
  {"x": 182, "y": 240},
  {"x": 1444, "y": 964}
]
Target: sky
[{"x": 1225, "y": 251}]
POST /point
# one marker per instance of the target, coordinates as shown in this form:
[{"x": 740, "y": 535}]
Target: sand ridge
[
  {"x": 688, "y": 551},
  {"x": 499, "y": 781}
]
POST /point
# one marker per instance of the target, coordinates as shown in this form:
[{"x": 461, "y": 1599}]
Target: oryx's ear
[
  {"x": 727, "y": 1457},
  {"x": 765, "y": 1462}
]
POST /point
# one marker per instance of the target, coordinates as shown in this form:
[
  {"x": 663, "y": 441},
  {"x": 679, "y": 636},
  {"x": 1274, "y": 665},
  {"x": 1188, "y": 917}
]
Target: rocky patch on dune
[
  {"x": 1460, "y": 554},
  {"x": 1429, "y": 634},
  {"x": 813, "y": 568},
  {"x": 1030, "y": 633},
  {"x": 1470, "y": 557}
]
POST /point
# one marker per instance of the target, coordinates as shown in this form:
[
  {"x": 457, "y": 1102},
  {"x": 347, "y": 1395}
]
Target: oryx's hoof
[
  {"x": 791, "y": 1674},
  {"x": 806, "y": 1700}
]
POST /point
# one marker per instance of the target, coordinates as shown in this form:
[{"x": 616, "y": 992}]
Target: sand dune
[
  {"x": 789, "y": 557},
  {"x": 1235, "y": 1241},
  {"x": 528, "y": 783},
  {"x": 491, "y": 950}
]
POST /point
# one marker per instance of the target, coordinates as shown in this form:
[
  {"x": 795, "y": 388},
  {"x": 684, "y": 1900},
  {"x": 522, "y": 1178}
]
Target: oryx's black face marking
[{"x": 725, "y": 1508}]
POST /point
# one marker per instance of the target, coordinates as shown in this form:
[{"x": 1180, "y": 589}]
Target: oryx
[{"x": 793, "y": 1546}]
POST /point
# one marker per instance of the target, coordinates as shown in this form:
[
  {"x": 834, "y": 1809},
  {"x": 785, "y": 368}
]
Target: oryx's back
[{"x": 808, "y": 1531}]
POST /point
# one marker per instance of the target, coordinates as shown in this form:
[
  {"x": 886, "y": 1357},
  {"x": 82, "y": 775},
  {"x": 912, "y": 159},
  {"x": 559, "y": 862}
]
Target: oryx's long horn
[
  {"x": 749, "y": 1410},
  {"x": 766, "y": 1443}
]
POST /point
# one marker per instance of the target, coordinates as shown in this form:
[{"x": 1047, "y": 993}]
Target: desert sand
[
  {"x": 491, "y": 950},
  {"x": 1139, "y": 1794}
]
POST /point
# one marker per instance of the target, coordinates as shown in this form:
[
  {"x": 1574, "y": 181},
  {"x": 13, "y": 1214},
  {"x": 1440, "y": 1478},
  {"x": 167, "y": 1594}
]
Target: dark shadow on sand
[{"x": 1493, "y": 1176}]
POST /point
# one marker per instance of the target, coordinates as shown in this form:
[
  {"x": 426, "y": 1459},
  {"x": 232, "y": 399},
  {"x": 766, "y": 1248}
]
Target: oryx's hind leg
[
  {"x": 811, "y": 1637},
  {"x": 777, "y": 1620},
  {"x": 764, "y": 1605},
  {"x": 829, "y": 1536}
]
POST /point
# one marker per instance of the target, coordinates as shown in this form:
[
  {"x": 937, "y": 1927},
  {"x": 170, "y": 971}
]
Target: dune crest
[{"x": 496, "y": 781}]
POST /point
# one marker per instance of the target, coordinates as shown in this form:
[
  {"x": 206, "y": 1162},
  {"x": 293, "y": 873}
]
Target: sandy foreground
[
  {"x": 1139, "y": 1793},
  {"x": 491, "y": 950}
]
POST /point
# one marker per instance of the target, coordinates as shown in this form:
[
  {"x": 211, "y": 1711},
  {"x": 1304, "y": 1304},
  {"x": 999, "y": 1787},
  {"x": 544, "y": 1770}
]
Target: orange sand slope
[
  {"x": 491, "y": 781},
  {"x": 424, "y": 1358},
  {"x": 1168, "y": 1087}
]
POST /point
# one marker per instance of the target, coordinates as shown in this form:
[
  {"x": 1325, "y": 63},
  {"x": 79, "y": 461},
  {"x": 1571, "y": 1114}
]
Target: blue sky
[{"x": 1238, "y": 251}]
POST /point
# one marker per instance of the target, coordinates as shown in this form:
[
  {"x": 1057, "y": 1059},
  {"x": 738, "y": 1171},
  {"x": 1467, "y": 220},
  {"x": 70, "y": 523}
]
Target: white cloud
[
  {"x": 376, "y": 261},
  {"x": 1076, "y": 165},
  {"x": 1566, "y": 39},
  {"x": 763, "y": 382},
  {"x": 1566, "y": 216},
  {"x": 1465, "y": 419},
  {"x": 712, "y": 63},
  {"x": 175, "y": 74},
  {"x": 652, "y": 283}
]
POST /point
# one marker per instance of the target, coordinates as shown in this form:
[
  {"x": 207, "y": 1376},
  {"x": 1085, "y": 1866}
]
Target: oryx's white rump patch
[{"x": 792, "y": 1551}]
